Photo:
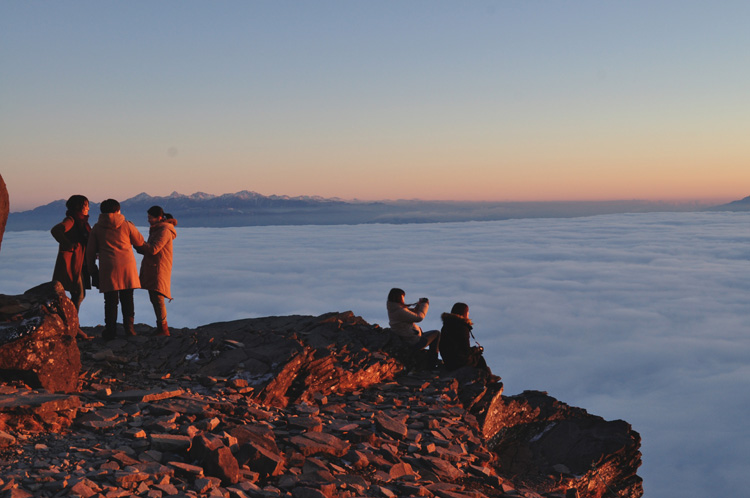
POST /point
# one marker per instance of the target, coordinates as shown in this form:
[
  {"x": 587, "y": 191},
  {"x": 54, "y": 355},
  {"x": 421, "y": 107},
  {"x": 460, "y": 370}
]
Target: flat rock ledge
[{"x": 300, "y": 407}]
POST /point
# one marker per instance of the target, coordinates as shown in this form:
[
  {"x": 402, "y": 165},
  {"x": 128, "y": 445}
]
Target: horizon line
[{"x": 678, "y": 201}]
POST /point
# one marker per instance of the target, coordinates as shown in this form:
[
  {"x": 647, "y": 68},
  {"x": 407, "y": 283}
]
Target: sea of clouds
[{"x": 641, "y": 317}]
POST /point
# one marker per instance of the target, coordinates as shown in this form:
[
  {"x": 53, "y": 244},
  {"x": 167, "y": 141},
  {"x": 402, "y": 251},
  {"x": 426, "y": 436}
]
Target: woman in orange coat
[
  {"x": 156, "y": 267},
  {"x": 72, "y": 234}
]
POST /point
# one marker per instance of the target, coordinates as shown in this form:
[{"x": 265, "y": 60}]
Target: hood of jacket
[
  {"x": 166, "y": 225},
  {"x": 111, "y": 220},
  {"x": 448, "y": 317}
]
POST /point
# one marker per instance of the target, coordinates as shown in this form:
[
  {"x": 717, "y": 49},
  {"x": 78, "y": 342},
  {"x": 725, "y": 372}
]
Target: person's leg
[
  {"x": 430, "y": 338},
  {"x": 128, "y": 311},
  {"x": 111, "y": 301},
  {"x": 77, "y": 294},
  {"x": 160, "y": 310}
]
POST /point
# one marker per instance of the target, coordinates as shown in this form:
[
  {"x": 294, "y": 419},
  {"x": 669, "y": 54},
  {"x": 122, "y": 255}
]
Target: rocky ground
[{"x": 301, "y": 407}]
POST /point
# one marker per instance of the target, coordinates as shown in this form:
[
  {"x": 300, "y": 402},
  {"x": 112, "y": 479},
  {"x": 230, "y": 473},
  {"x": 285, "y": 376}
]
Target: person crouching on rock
[
  {"x": 112, "y": 239},
  {"x": 156, "y": 267},
  {"x": 403, "y": 321}
]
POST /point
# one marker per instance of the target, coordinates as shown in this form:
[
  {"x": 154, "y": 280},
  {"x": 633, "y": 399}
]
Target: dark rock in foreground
[
  {"x": 37, "y": 339},
  {"x": 301, "y": 406},
  {"x": 4, "y": 208}
]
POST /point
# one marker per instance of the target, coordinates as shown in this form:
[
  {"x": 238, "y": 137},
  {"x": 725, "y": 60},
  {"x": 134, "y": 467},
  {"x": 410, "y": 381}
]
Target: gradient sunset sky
[{"x": 454, "y": 100}]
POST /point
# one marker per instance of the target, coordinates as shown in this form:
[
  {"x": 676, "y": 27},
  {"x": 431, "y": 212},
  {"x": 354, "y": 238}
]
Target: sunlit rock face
[
  {"x": 321, "y": 406},
  {"x": 4, "y": 208},
  {"x": 535, "y": 435},
  {"x": 37, "y": 339}
]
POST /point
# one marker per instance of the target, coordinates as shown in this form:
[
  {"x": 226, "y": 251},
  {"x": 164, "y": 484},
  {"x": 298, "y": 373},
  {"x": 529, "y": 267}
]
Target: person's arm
[
  {"x": 412, "y": 315},
  {"x": 58, "y": 232},
  {"x": 136, "y": 239},
  {"x": 155, "y": 244}
]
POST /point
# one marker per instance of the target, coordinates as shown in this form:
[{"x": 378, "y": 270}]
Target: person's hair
[
  {"x": 156, "y": 211},
  {"x": 76, "y": 202},
  {"x": 460, "y": 309},
  {"x": 394, "y": 296},
  {"x": 109, "y": 206}
]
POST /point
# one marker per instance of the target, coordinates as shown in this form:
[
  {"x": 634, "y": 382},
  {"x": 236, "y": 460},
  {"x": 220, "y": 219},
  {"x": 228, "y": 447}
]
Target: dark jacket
[
  {"x": 72, "y": 234},
  {"x": 455, "y": 346}
]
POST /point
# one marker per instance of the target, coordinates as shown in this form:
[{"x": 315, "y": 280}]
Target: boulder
[
  {"x": 37, "y": 339},
  {"x": 538, "y": 435},
  {"x": 4, "y": 208}
]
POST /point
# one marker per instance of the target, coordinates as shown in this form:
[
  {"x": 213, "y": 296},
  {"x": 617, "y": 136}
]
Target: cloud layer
[{"x": 642, "y": 317}]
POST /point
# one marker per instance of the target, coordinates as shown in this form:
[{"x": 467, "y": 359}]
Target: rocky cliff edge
[{"x": 293, "y": 406}]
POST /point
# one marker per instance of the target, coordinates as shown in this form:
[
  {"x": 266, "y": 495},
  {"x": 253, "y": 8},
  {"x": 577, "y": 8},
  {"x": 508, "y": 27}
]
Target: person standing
[
  {"x": 112, "y": 240},
  {"x": 72, "y": 235},
  {"x": 156, "y": 267}
]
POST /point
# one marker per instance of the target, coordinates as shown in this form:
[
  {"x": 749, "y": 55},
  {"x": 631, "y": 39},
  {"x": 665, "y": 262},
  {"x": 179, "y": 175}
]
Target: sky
[
  {"x": 428, "y": 99},
  {"x": 640, "y": 317}
]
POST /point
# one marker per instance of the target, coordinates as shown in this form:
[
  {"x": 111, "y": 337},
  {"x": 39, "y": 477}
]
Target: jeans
[
  {"x": 112, "y": 299},
  {"x": 431, "y": 338}
]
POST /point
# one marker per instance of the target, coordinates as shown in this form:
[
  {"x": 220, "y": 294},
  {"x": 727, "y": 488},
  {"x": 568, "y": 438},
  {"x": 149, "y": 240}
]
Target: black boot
[{"x": 109, "y": 332}]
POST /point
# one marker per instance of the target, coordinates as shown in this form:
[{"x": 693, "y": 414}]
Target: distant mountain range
[
  {"x": 741, "y": 205},
  {"x": 247, "y": 208}
]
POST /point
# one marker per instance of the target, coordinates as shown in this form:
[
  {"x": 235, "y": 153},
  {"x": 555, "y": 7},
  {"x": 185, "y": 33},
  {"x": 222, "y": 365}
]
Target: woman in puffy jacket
[
  {"x": 156, "y": 267},
  {"x": 455, "y": 336},
  {"x": 456, "y": 348}
]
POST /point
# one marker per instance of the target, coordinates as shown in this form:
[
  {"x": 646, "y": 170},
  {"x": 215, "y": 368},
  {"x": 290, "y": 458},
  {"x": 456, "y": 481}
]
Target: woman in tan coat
[
  {"x": 156, "y": 267},
  {"x": 403, "y": 319},
  {"x": 72, "y": 234},
  {"x": 112, "y": 239}
]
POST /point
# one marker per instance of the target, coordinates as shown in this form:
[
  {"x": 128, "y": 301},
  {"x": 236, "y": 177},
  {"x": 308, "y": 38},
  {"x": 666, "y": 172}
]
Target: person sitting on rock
[
  {"x": 456, "y": 349},
  {"x": 403, "y": 319}
]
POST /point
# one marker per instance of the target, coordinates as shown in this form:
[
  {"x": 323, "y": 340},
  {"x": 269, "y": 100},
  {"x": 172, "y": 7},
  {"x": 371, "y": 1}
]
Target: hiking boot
[
  {"x": 161, "y": 329},
  {"x": 128, "y": 323}
]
